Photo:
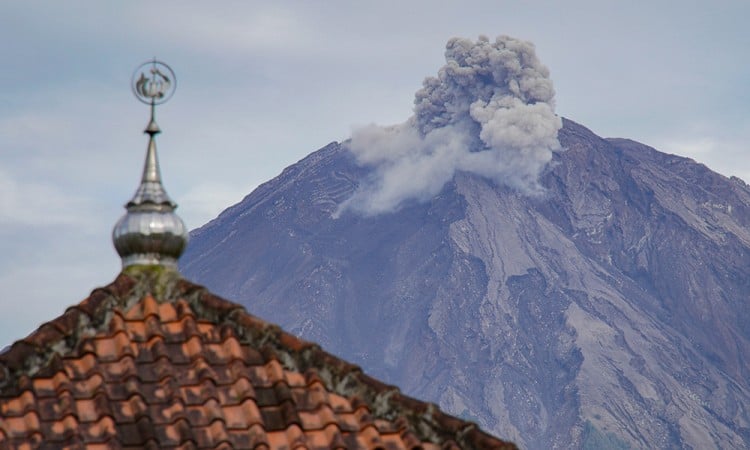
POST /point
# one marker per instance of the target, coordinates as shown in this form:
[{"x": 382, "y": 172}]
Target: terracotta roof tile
[{"x": 127, "y": 368}]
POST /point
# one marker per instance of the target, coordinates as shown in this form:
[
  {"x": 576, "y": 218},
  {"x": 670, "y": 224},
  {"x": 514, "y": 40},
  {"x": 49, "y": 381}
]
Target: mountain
[{"x": 610, "y": 311}]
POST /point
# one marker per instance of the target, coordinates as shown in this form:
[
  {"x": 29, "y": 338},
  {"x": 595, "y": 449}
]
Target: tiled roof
[{"x": 154, "y": 361}]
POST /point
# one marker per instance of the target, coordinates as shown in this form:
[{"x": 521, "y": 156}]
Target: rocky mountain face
[{"x": 613, "y": 311}]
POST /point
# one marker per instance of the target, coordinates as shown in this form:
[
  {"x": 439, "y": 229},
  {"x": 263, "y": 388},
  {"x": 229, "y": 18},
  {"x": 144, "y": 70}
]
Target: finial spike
[
  {"x": 152, "y": 128},
  {"x": 151, "y": 171}
]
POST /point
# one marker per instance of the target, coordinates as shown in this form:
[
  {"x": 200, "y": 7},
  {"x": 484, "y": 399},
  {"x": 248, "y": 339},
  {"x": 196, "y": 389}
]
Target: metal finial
[
  {"x": 153, "y": 83},
  {"x": 150, "y": 233}
]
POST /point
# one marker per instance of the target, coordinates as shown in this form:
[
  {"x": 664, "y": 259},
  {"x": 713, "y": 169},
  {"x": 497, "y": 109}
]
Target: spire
[{"x": 150, "y": 233}]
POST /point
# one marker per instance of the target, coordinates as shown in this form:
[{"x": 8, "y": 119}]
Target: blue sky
[{"x": 261, "y": 84}]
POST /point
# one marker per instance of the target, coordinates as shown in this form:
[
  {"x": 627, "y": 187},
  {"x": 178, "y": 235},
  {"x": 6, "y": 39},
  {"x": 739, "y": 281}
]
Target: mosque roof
[{"x": 155, "y": 361}]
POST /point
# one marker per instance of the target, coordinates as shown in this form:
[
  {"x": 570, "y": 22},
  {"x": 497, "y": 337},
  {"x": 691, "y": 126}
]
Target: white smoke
[{"x": 490, "y": 111}]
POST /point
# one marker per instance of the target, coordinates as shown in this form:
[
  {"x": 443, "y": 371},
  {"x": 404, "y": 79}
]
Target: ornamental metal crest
[{"x": 153, "y": 82}]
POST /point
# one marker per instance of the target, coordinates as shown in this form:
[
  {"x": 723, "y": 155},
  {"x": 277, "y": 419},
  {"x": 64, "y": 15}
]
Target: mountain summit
[{"x": 611, "y": 311}]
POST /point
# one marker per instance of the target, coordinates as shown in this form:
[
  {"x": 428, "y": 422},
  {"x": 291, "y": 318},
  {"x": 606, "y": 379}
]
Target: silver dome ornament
[{"x": 150, "y": 233}]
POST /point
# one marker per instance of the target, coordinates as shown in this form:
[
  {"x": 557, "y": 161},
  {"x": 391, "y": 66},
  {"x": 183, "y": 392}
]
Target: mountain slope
[{"x": 612, "y": 309}]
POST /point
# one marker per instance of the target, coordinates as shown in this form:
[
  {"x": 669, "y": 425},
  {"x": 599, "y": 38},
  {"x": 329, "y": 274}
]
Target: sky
[{"x": 261, "y": 84}]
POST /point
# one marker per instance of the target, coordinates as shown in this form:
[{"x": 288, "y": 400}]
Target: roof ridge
[{"x": 61, "y": 335}]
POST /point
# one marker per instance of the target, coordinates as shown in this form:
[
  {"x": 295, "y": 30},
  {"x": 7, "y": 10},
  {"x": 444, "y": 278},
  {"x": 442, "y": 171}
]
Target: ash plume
[{"x": 489, "y": 111}]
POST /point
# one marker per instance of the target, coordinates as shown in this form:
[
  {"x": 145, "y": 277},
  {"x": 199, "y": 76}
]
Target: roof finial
[{"x": 150, "y": 233}]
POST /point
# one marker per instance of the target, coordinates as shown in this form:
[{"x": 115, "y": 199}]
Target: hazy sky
[{"x": 263, "y": 83}]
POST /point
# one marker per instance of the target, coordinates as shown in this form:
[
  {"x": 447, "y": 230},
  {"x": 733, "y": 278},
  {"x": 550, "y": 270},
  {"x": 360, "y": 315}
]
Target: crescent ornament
[{"x": 153, "y": 82}]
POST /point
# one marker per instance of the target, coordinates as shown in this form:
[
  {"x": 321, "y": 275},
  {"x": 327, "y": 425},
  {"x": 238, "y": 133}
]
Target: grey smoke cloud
[{"x": 489, "y": 111}]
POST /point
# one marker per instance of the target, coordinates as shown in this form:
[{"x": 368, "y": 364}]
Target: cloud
[
  {"x": 48, "y": 280},
  {"x": 272, "y": 28},
  {"x": 720, "y": 144},
  {"x": 36, "y": 203},
  {"x": 490, "y": 111},
  {"x": 723, "y": 153}
]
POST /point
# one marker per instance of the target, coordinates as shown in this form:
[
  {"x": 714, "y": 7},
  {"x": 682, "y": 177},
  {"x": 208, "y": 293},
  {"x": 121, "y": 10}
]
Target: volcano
[
  {"x": 611, "y": 311},
  {"x": 560, "y": 289}
]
